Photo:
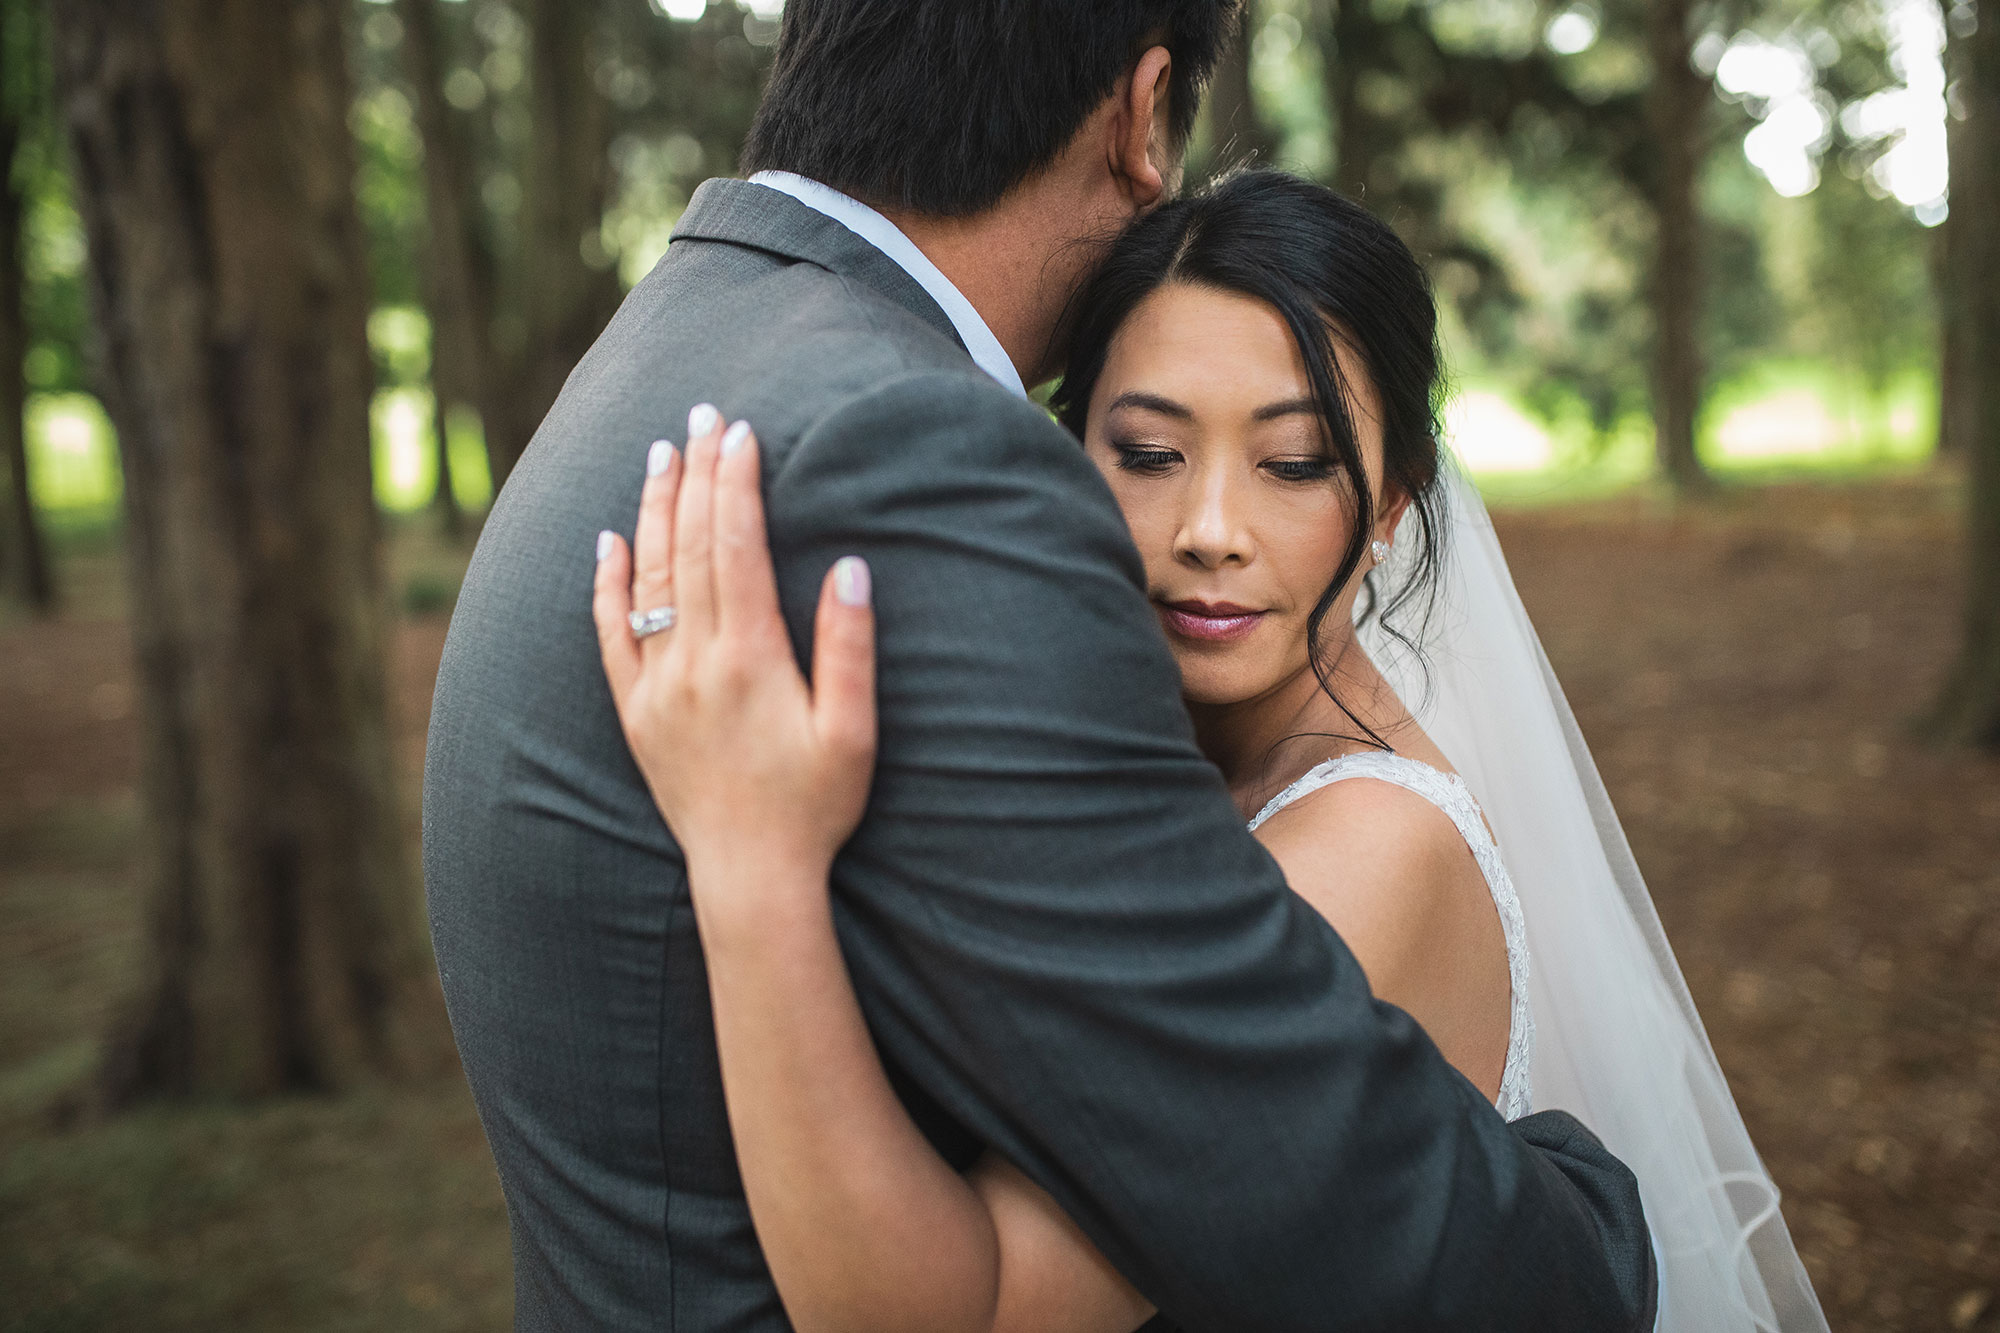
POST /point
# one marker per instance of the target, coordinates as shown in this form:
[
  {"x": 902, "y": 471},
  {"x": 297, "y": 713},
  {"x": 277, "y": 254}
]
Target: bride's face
[{"x": 1202, "y": 421}]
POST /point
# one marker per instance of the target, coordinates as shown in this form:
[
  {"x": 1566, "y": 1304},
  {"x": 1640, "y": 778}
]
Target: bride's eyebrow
[
  {"x": 1151, "y": 402},
  {"x": 1289, "y": 407}
]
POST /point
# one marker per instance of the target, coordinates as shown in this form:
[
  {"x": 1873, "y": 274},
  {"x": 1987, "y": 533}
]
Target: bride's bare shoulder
[
  {"x": 1393, "y": 875},
  {"x": 1368, "y": 852}
]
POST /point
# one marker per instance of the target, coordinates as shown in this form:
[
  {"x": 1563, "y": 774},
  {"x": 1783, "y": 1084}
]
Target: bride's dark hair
[{"x": 1332, "y": 270}]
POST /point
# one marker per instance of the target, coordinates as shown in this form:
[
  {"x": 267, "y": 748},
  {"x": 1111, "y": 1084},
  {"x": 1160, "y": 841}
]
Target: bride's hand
[{"x": 755, "y": 770}]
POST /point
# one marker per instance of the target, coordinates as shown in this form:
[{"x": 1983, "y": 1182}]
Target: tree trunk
[
  {"x": 1969, "y": 710},
  {"x": 458, "y": 283},
  {"x": 1239, "y": 132},
  {"x": 569, "y": 284},
  {"x": 214, "y": 172},
  {"x": 1348, "y": 39},
  {"x": 1946, "y": 268},
  {"x": 1952, "y": 435},
  {"x": 451, "y": 519},
  {"x": 37, "y": 580},
  {"x": 1674, "y": 105}
]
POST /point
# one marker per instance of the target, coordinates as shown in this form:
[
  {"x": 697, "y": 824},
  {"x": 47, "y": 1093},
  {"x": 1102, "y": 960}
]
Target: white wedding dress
[
  {"x": 1603, "y": 1022},
  {"x": 1448, "y": 792}
]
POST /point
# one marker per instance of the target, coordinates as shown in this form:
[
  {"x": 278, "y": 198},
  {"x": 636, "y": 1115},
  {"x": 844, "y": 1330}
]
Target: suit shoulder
[
  {"x": 949, "y": 410},
  {"x": 838, "y": 333}
]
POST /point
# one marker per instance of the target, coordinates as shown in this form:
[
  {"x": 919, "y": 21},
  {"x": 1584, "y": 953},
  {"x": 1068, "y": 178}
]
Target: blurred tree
[
  {"x": 457, "y": 259},
  {"x": 1424, "y": 98},
  {"x": 1954, "y": 364},
  {"x": 1969, "y": 710},
  {"x": 1236, "y": 129},
  {"x": 444, "y": 502},
  {"x": 23, "y": 116},
  {"x": 215, "y": 172},
  {"x": 569, "y": 278},
  {"x": 1677, "y": 99},
  {"x": 560, "y": 140},
  {"x": 685, "y": 93},
  {"x": 517, "y": 272},
  {"x": 389, "y": 178},
  {"x": 1870, "y": 319},
  {"x": 1356, "y": 52}
]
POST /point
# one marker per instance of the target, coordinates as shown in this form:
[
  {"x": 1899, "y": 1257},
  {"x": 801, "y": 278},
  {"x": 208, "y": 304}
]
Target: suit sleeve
[{"x": 1061, "y": 931}]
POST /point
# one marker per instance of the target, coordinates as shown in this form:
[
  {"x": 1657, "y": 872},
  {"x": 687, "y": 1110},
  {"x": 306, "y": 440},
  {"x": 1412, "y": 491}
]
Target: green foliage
[
  {"x": 399, "y": 340},
  {"x": 53, "y": 299},
  {"x": 1516, "y": 170},
  {"x": 1745, "y": 316},
  {"x": 389, "y": 161},
  {"x": 428, "y": 594},
  {"x": 1513, "y": 155},
  {"x": 1870, "y": 307},
  {"x": 684, "y": 94}
]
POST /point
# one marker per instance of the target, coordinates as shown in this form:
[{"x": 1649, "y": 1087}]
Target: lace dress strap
[{"x": 1448, "y": 792}]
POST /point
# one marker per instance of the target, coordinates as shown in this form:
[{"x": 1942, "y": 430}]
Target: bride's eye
[
  {"x": 1149, "y": 460},
  {"x": 1302, "y": 469}
]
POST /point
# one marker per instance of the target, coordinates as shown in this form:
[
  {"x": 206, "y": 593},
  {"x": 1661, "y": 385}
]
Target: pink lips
[{"x": 1210, "y": 622}]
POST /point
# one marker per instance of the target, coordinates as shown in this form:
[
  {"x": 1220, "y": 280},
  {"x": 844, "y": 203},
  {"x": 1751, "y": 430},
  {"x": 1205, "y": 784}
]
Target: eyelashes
[
  {"x": 1145, "y": 460},
  {"x": 1303, "y": 469},
  {"x": 1151, "y": 460}
]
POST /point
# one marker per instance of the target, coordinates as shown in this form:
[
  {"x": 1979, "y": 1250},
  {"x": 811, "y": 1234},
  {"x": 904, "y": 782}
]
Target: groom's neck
[{"x": 1017, "y": 263}]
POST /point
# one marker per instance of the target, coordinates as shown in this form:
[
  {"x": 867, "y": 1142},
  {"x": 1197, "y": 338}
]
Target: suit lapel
[{"x": 736, "y": 212}]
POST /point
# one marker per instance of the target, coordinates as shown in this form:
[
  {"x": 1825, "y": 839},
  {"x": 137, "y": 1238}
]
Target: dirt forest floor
[{"x": 1745, "y": 670}]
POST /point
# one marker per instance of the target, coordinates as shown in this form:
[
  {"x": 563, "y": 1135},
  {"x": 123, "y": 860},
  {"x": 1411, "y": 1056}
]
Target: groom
[{"x": 1067, "y": 946}]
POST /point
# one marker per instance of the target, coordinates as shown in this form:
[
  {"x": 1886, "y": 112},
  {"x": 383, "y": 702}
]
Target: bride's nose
[{"x": 1214, "y": 528}]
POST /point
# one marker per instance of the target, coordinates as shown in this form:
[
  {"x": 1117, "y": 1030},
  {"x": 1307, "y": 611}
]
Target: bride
[{"x": 1255, "y": 373}]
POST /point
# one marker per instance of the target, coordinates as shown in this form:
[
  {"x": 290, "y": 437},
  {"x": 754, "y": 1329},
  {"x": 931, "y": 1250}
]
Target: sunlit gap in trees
[
  {"x": 1780, "y": 81},
  {"x": 689, "y": 11},
  {"x": 1793, "y": 414}
]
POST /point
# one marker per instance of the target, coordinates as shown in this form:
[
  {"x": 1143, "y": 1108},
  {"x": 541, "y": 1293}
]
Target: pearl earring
[{"x": 1380, "y": 550}]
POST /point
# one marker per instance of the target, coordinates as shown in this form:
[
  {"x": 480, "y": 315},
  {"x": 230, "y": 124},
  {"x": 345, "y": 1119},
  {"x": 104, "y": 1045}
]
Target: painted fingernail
[
  {"x": 850, "y": 581},
  {"x": 659, "y": 457},
  {"x": 733, "y": 441},
  {"x": 603, "y": 544},
  {"x": 703, "y": 420}
]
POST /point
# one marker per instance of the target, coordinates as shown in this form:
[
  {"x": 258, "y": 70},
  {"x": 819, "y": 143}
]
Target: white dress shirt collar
[{"x": 887, "y": 237}]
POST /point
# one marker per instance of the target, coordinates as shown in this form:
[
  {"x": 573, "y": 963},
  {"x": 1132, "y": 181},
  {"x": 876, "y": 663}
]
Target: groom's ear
[{"x": 1142, "y": 157}]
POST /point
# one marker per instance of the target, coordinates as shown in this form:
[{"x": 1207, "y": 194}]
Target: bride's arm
[{"x": 864, "y": 1225}]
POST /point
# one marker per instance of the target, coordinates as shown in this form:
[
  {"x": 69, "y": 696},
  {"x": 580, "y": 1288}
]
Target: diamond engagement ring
[{"x": 652, "y": 622}]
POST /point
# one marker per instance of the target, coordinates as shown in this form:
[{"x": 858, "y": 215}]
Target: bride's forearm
[{"x": 864, "y": 1226}]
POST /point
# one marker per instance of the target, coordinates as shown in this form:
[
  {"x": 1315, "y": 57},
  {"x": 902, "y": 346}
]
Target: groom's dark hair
[{"x": 942, "y": 106}]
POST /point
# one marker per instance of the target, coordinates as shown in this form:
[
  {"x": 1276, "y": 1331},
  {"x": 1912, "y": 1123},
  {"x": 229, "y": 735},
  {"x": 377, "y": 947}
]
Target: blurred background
[{"x": 285, "y": 289}]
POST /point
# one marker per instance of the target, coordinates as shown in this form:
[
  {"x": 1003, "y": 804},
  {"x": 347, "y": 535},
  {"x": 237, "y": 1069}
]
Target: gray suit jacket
[{"x": 1065, "y": 942}]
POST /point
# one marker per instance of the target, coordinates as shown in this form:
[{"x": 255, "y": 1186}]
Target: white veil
[{"x": 1618, "y": 1042}]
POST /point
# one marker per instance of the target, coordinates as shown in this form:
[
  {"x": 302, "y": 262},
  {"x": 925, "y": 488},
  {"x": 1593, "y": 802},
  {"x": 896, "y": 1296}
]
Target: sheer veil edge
[{"x": 1618, "y": 1040}]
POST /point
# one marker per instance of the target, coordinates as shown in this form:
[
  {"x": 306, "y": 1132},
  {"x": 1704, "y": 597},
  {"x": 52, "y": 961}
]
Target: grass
[{"x": 374, "y": 1211}]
